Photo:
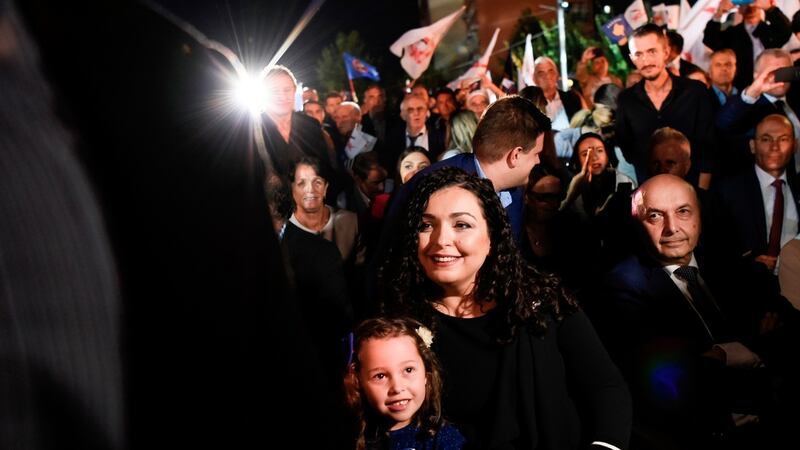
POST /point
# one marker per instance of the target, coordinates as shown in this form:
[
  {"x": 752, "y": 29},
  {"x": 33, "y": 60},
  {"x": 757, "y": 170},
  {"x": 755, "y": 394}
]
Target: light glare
[{"x": 250, "y": 93}]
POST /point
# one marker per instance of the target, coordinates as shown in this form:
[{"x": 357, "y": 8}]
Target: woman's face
[
  {"x": 280, "y": 95},
  {"x": 453, "y": 240},
  {"x": 308, "y": 189},
  {"x": 411, "y": 164},
  {"x": 592, "y": 149}
]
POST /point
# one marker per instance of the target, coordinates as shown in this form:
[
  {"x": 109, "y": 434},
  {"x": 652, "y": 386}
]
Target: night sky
[{"x": 256, "y": 29}]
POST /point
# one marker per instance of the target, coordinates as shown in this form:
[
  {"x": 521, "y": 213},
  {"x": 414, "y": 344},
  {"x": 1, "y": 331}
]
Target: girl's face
[
  {"x": 453, "y": 240},
  {"x": 411, "y": 164},
  {"x": 308, "y": 189},
  {"x": 592, "y": 149},
  {"x": 392, "y": 377}
]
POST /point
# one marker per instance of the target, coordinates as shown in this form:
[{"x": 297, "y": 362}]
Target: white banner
[
  {"x": 477, "y": 70},
  {"x": 525, "y": 77},
  {"x": 635, "y": 14},
  {"x": 415, "y": 47}
]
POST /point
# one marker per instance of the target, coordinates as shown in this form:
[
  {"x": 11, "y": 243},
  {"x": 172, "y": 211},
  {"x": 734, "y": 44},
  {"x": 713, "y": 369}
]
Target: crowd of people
[
  {"x": 500, "y": 230},
  {"x": 615, "y": 266}
]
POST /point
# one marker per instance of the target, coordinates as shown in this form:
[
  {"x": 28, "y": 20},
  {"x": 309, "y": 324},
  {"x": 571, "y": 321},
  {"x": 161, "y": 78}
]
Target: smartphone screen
[{"x": 787, "y": 74}]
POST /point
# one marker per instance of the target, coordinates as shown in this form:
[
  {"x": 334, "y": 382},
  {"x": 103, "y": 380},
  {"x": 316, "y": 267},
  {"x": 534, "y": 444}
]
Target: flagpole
[
  {"x": 562, "y": 42},
  {"x": 352, "y": 90}
]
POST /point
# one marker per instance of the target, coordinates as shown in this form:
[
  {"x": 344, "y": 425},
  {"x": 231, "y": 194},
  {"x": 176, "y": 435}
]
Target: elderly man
[
  {"x": 346, "y": 116},
  {"x": 663, "y": 100},
  {"x": 414, "y": 130},
  {"x": 561, "y": 106},
  {"x": 668, "y": 321}
]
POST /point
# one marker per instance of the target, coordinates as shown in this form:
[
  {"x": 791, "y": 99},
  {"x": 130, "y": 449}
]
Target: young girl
[{"x": 394, "y": 388}]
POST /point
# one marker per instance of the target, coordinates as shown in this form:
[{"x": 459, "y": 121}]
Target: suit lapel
[{"x": 756, "y": 202}]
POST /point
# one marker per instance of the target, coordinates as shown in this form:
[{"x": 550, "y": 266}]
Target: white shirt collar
[
  {"x": 422, "y": 132},
  {"x": 671, "y": 267},
  {"x": 765, "y": 180},
  {"x": 505, "y": 196}
]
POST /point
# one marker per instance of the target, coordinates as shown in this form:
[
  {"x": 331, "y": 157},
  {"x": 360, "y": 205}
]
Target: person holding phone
[
  {"x": 764, "y": 26},
  {"x": 592, "y": 72},
  {"x": 766, "y": 95}
]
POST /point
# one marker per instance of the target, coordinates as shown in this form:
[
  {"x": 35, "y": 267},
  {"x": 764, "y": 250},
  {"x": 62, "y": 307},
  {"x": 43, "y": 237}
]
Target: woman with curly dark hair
[{"x": 523, "y": 364}]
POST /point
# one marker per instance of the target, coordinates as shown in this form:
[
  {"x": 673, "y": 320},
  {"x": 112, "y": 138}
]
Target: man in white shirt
[{"x": 561, "y": 106}]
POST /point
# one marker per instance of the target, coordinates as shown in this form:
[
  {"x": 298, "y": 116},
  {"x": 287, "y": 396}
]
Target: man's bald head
[
  {"x": 773, "y": 145},
  {"x": 670, "y": 152},
  {"x": 669, "y": 212}
]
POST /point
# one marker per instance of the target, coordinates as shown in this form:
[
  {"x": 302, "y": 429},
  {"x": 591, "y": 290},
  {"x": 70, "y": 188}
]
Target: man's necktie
[
  {"x": 780, "y": 105},
  {"x": 701, "y": 300},
  {"x": 413, "y": 139},
  {"x": 774, "y": 243}
]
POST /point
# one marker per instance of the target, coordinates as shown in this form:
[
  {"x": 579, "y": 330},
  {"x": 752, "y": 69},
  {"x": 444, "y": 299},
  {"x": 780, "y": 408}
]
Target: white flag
[
  {"x": 525, "y": 76},
  {"x": 477, "y": 70},
  {"x": 667, "y": 15},
  {"x": 635, "y": 14},
  {"x": 693, "y": 24},
  {"x": 415, "y": 47}
]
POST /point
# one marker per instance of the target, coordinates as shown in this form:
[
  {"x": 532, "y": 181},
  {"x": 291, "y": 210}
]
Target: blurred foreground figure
[
  {"x": 60, "y": 365},
  {"x": 214, "y": 354}
]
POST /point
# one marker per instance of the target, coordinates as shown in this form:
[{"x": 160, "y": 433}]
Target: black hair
[
  {"x": 575, "y": 160},
  {"x": 525, "y": 297}
]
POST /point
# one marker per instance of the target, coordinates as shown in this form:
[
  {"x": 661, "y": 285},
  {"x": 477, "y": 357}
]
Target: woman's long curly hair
[
  {"x": 428, "y": 418},
  {"x": 524, "y": 296}
]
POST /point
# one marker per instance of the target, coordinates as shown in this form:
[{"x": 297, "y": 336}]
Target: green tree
[{"x": 545, "y": 42}]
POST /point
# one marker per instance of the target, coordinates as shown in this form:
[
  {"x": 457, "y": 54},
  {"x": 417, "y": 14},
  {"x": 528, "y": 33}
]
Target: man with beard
[{"x": 663, "y": 100}]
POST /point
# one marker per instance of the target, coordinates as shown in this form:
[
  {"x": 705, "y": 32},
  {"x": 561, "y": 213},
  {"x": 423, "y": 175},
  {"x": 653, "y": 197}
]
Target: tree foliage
[{"x": 546, "y": 43}]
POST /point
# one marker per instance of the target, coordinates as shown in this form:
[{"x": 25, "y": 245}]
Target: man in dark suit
[
  {"x": 764, "y": 27},
  {"x": 561, "y": 105},
  {"x": 414, "y": 130},
  {"x": 670, "y": 323},
  {"x": 760, "y": 204},
  {"x": 737, "y": 119}
]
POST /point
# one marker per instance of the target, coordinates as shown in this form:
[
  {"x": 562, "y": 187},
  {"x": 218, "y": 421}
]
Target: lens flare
[{"x": 250, "y": 93}]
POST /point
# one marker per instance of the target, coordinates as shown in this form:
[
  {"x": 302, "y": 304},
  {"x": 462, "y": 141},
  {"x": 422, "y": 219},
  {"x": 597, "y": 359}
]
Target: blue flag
[
  {"x": 357, "y": 68},
  {"x": 617, "y": 29}
]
